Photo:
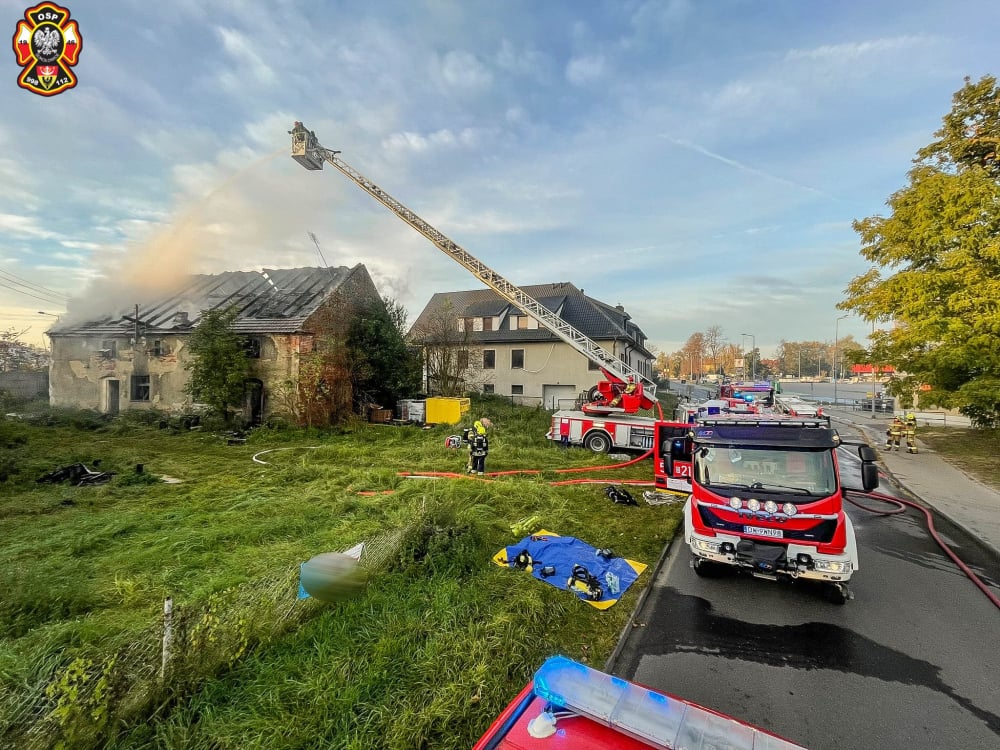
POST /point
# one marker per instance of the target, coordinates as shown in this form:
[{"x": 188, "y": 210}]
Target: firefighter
[
  {"x": 630, "y": 388},
  {"x": 479, "y": 446},
  {"x": 894, "y": 433},
  {"x": 911, "y": 433}
]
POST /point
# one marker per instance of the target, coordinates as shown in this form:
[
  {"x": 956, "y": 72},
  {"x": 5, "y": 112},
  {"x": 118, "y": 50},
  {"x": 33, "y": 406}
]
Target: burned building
[{"x": 134, "y": 358}]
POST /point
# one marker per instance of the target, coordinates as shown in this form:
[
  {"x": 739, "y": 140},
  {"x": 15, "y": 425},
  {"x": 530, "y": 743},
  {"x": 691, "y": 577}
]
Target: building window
[
  {"x": 488, "y": 388},
  {"x": 158, "y": 349},
  {"x": 140, "y": 388},
  {"x": 592, "y": 365},
  {"x": 522, "y": 322},
  {"x": 251, "y": 347},
  {"x": 463, "y": 360},
  {"x": 109, "y": 349},
  {"x": 517, "y": 390},
  {"x": 489, "y": 359},
  {"x": 487, "y": 324},
  {"x": 517, "y": 359}
]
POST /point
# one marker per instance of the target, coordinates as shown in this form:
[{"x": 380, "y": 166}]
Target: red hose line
[
  {"x": 930, "y": 526},
  {"x": 638, "y": 482},
  {"x": 644, "y": 456}
]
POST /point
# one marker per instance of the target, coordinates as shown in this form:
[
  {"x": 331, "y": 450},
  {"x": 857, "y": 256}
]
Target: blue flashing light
[{"x": 654, "y": 718}]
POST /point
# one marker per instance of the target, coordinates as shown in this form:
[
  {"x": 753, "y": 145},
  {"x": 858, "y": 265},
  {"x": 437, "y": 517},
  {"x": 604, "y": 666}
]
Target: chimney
[{"x": 181, "y": 319}]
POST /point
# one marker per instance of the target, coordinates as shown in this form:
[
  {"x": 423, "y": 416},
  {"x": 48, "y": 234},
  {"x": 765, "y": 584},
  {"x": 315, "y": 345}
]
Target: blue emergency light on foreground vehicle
[{"x": 571, "y": 705}]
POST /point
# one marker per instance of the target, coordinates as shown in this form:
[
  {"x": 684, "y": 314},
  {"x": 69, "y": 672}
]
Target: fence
[
  {"x": 882, "y": 405},
  {"x": 25, "y": 385}
]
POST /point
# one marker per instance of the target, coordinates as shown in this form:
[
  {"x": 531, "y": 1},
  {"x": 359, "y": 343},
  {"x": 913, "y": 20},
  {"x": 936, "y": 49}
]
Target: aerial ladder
[{"x": 625, "y": 389}]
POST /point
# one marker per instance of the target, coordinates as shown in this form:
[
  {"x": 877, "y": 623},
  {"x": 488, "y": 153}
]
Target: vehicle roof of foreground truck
[{"x": 769, "y": 431}]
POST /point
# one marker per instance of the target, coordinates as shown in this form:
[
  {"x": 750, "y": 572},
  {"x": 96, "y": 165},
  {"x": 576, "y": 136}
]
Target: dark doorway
[
  {"x": 253, "y": 401},
  {"x": 113, "y": 397}
]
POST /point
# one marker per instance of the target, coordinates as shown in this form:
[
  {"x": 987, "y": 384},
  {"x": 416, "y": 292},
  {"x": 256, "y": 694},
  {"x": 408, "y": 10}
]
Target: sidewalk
[{"x": 938, "y": 484}]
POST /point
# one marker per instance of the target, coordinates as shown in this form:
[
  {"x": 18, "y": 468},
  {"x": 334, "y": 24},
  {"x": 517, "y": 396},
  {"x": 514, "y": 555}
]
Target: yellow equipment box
[{"x": 442, "y": 410}]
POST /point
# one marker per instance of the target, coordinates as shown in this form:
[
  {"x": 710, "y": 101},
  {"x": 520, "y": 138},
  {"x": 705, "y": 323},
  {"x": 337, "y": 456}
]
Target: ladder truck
[
  {"x": 624, "y": 391},
  {"x": 608, "y": 420}
]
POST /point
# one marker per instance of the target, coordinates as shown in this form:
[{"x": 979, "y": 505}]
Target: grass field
[
  {"x": 976, "y": 452},
  {"x": 426, "y": 658}
]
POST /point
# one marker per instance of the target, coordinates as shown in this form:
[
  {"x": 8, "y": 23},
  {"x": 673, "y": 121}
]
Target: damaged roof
[
  {"x": 595, "y": 319},
  {"x": 275, "y": 300}
]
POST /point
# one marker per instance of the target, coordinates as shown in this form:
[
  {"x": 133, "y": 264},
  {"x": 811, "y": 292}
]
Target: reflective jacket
[{"x": 479, "y": 445}]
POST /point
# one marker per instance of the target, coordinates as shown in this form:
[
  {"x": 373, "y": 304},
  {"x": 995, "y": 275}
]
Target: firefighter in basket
[
  {"x": 911, "y": 433},
  {"x": 630, "y": 388},
  {"x": 894, "y": 434}
]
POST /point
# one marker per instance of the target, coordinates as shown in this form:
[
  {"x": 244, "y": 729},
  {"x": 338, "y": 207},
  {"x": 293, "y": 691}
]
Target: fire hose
[{"x": 901, "y": 506}]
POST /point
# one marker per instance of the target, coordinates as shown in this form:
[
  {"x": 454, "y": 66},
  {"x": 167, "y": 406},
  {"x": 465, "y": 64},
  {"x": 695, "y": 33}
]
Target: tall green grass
[{"x": 427, "y": 657}]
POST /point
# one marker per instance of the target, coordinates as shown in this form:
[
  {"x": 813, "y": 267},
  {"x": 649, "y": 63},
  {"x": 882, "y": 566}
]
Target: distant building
[
  {"x": 508, "y": 353},
  {"x": 122, "y": 361}
]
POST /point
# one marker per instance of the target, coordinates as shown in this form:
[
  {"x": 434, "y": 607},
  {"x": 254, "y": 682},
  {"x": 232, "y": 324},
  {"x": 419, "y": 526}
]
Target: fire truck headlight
[
  {"x": 735, "y": 503},
  {"x": 706, "y": 546},
  {"x": 833, "y": 566},
  {"x": 771, "y": 507},
  {"x": 789, "y": 509},
  {"x": 753, "y": 504}
]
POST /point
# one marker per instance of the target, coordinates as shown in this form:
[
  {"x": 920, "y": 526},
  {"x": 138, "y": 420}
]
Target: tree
[
  {"x": 936, "y": 265},
  {"x": 453, "y": 363},
  {"x": 17, "y": 355},
  {"x": 219, "y": 366},
  {"x": 694, "y": 355},
  {"x": 382, "y": 366},
  {"x": 714, "y": 342}
]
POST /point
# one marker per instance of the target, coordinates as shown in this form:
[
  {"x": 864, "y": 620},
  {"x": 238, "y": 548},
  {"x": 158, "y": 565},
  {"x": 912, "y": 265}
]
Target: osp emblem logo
[{"x": 47, "y": 45}]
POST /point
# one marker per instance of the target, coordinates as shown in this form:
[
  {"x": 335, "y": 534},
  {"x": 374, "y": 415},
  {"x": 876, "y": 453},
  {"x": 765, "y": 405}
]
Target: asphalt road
[{"x": 911, "y": 662}]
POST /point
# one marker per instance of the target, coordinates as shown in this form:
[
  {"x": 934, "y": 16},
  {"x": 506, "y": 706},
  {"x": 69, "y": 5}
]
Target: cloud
[
  {"x": 26, "y": 226},
  {"x": 522, "y": 61},
  {"x": 441, "y": 139},
  {"x": 463, "y": 70},
  {"x": 582, "y": 71},
  {"x": 653, "y": 16},
  {"x": 852, "y": 52},
  {"x": 248, "y": 67}
]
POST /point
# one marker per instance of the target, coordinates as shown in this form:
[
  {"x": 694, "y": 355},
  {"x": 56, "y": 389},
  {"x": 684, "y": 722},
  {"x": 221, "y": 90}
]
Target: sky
[{"x": 700, "y": 163}]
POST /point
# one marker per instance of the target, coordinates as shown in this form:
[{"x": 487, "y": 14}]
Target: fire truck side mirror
[
  {"x": 869, "y": 471},
  {"x": 869, "y": 476},
  {"x": 866, "y": 453}
]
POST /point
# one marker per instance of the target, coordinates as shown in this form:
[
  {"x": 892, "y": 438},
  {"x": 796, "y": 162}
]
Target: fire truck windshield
[{"x": 778, "y": 471}]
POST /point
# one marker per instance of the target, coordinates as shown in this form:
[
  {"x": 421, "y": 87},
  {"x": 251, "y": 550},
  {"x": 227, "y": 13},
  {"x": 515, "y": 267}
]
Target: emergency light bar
[
  {"x": 766, "y": 422},
  {"x": 659, "y": 720}
]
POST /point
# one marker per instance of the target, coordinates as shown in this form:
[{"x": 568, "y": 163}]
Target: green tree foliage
[
  {"x": 383, "y": 367},
  {"x": 218, "y": 365},
  {"x": 936, "y": 264}
]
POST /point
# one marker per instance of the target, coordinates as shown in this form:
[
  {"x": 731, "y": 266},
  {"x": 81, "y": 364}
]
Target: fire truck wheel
[
  {"x": 837, "y": 593},
  {"x": 594, "y": 394},
  {"x": 706, "y": 568},
  {"x": 598, "y": 442}
]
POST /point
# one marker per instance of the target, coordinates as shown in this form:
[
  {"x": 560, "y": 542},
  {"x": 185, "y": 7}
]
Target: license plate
[{"x": 760, "y": 531}]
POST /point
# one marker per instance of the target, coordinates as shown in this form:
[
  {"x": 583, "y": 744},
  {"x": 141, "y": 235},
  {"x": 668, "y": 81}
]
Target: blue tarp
[{"x": 547, "y": 550}]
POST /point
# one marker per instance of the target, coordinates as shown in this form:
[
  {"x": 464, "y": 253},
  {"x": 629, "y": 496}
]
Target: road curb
[{"x": 629, "y": 626}]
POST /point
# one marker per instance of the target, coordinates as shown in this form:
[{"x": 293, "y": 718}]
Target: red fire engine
[{"x": 766, "y": 498}]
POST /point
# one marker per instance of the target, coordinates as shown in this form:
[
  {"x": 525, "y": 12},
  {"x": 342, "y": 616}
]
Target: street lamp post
[
  {"x": 836, "y": 340},
  {"x": 874, "y": 371},
  {"x": 753, "y": 343}
]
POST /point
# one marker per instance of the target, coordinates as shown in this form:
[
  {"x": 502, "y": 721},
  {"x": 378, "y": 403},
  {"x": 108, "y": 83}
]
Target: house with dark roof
[
  {"x": 134, "y": 358},
  {"x": 507, "y": 352}
]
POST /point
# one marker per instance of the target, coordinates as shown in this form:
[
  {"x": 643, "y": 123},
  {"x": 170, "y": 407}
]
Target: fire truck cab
[
  {"x": 672, "y": 447},
  {"x": 766, "y": 498}
]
